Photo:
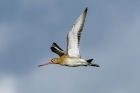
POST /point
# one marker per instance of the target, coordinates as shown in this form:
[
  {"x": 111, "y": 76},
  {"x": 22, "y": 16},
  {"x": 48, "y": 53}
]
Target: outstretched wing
[
  {"x": 56, "y": 49},
  {"x": 74, "y": 35}
]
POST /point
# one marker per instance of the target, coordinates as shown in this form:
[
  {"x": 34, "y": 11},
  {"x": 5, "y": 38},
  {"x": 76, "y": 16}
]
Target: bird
[{"x": 71, "y": 57}]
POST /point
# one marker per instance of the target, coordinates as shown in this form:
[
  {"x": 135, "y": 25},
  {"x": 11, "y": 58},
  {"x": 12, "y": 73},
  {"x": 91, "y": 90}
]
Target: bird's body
[
  {"x": 71, "y": 57},
  {"x": 71, "y": 61}
]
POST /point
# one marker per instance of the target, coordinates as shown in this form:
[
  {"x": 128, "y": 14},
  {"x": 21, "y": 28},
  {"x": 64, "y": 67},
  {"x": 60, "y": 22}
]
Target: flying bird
[{"x": 71, "y": 57}]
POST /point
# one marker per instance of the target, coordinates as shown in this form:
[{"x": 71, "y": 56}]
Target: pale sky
[{"x": 111, "y": 37}]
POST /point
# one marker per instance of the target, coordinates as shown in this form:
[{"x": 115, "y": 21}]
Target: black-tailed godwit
[{"x": 71, "y": 56}]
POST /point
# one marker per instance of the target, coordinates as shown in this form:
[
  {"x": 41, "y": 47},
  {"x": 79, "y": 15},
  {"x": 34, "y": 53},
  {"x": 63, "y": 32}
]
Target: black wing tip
[
  {"x": 54, "y": 43},
  {"x": 53, "y": 49},
  {"x": 86, "y": 9}
]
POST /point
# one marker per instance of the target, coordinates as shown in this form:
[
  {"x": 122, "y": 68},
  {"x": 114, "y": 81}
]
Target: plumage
[
  {"x": 72, "y": 56},
  {"x": 56, "y": 49}
]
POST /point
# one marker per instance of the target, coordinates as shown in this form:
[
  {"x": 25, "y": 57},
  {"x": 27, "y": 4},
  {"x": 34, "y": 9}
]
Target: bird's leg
[{"x": 92, "y": 64}]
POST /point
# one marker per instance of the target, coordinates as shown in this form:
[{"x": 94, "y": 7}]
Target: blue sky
[{"x": 110, "y": 36}]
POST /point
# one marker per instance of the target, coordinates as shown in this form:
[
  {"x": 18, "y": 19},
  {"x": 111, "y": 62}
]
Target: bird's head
[{"x": 53, "y": 61}]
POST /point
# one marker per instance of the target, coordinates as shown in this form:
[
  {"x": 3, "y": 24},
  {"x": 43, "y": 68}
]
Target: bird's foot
[{"x": 95, "y": 65}]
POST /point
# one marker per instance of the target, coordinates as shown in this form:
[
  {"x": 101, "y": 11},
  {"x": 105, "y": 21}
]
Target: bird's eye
[{"x": 52, "y": 60}]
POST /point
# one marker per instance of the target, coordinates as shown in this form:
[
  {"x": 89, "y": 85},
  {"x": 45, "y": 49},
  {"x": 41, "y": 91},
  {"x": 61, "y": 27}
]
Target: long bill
[{"x": 45, "y": 64}]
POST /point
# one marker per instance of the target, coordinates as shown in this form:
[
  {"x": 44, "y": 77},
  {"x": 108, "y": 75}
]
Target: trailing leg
[{"x": 95, "y": 65}]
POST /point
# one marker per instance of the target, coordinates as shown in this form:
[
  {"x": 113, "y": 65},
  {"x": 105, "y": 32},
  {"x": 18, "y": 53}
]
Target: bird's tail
[{"x": 89, "y": 60}]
